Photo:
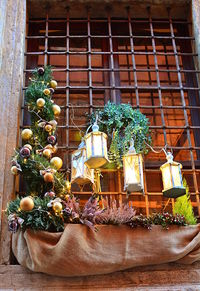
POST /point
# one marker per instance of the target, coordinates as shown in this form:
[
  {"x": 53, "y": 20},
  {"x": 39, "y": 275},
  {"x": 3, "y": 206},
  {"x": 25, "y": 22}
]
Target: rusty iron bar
[{"x": 112, "y": 52}]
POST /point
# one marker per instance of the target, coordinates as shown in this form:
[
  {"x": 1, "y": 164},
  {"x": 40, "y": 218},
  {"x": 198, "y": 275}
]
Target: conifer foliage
[{"x": 183, "y": 206}]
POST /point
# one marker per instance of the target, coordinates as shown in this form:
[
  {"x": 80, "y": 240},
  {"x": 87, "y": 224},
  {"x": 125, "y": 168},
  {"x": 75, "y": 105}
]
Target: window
[{"x": 146, "y": 62}]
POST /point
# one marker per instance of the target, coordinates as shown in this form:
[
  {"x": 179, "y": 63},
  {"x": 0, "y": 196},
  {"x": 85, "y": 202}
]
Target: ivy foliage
[
  {"x": 122, "y": 123},
  {"x": 183, "y": 206}
]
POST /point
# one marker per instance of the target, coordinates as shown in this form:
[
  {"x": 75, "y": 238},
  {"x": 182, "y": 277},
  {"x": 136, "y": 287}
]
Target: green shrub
[{"x": 183, "y": 206}]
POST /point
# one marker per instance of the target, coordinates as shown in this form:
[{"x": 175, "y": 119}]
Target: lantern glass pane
[
  {"x": 105, "y": 147},
  {"x": 133, "y": 172},
  {"x": 77, "y": 163},
  {"x": 89, "y": 146},
  {"x": 176, "y": 176},
  {"x": 166, "y": 177},
  {"x": 80, "y": 172},
  {"x": 97, "y": 144}
]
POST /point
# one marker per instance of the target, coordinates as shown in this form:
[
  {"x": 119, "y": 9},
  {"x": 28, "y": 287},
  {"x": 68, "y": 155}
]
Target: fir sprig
[
  {"x": 183, "y": 206},
  {"x": 34, "y": 181}
]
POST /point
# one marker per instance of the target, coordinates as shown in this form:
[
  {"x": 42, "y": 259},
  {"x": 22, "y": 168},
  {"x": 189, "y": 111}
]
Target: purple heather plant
[
  {"x": 72, "y": 209},
  {"x": 90, "y": 212},
  {"x": 114, "y": 214}
]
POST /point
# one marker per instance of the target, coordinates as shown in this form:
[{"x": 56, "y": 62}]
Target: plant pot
[{"x": 79, "y": 251}]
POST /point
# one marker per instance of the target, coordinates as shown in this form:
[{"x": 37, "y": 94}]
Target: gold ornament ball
[
  {"x": 27, "y": 204},
  {"x": 40, "y": 102},
  {"x": 57, "y": 206},
  {"x": 48, "y": 178},
  {"x": 14, "y": 170},
  {"x": 56, "y": 110},
  {"x": 46, "y": 153},
  {"x": 28, "y": 146},
  {"x": 48, "y": 127},
  {"x": 26, "y": 134},
  {"x": 57, "y": 162},
  {"x": 53, "y": 84},
  {"x": 46, "y": 91}
]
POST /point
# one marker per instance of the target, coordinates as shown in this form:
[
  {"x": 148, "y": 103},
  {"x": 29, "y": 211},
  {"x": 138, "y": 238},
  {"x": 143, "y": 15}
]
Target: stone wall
[{"x": 12, "y": 35}]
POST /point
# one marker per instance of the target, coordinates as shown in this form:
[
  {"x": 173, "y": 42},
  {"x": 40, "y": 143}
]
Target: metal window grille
[{"x": 146, "y": 62}]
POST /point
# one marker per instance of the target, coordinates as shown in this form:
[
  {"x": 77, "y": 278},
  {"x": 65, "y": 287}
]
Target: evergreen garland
[{"x": 31, "y": 166}]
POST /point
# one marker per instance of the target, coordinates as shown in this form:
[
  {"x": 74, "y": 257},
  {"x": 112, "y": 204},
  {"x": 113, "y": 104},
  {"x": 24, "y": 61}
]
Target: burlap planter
[{"x": 78, "y": 251}]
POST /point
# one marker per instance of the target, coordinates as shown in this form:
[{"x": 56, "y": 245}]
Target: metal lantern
[
  {"x": 172, "y": 178},
  {"x": 133, "y": 171},
  {"x": 80, "y": 173},
  {"x": 96, "y": 148}
]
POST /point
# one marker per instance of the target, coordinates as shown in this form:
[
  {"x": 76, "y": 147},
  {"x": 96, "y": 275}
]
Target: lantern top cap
[
  {"x": 132, "y": 147},
  {"x": 95, "y": 127},
  {"x": 169, "y": 157},
  {"x": 170, "y": 161}
]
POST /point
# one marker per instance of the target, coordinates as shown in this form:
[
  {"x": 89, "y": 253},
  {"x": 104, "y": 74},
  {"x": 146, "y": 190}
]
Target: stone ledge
[{"x": 160, "y": 277}]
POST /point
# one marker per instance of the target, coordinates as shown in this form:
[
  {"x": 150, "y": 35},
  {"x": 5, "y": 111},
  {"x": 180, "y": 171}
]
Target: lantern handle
[
  {"x": 161, "y": 150},
  {"x": 94, "y": 126},
  {"x": 88, "y": 129}
]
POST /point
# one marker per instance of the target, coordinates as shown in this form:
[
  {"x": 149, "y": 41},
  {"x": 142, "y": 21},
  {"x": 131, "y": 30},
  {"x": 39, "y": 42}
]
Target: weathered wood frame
[{"x": 12, "y": 35}]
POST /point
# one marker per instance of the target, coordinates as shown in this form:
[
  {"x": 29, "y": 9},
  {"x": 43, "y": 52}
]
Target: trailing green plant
[
  {"x": 183, "y": 206},
  {"x": 122, "y": 123}
]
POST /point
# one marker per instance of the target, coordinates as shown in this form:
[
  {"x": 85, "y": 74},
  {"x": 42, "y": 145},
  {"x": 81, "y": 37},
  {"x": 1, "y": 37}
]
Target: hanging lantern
[
  {"x": 96, "y": 148},
  {"x": 133, "y": 170},
  {"x": 80, "y": 173},
  {"x": 172, "y": 178}
]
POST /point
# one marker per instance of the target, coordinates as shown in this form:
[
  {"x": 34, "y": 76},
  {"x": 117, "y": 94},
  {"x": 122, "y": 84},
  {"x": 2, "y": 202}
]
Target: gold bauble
[
  {"x": 26, "y": 134},
  {"x": 48, "y": 178},
  {"x": 27, "y": 204},
  {"x": 46, "y": 153},
  {"x": 57, "y": 162},
  {"x": 56, "y": 110},
  {"x": 48, "y": 127},
  {"x": 14, "y": 170},
  {"x": 57, "y": 206},
  {"x": 40, "y": 102},
  {"x": 46, "y": 92},
  {"x": 28, "y": 146},
  {"x": 53, "y": 84}
]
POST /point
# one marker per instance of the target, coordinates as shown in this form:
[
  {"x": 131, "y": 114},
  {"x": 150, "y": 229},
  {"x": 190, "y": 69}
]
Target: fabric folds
[{"x": 79, "y": 251}]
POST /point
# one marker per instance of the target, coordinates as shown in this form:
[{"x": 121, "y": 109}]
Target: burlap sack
[{"x": 79, "y": 251}]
